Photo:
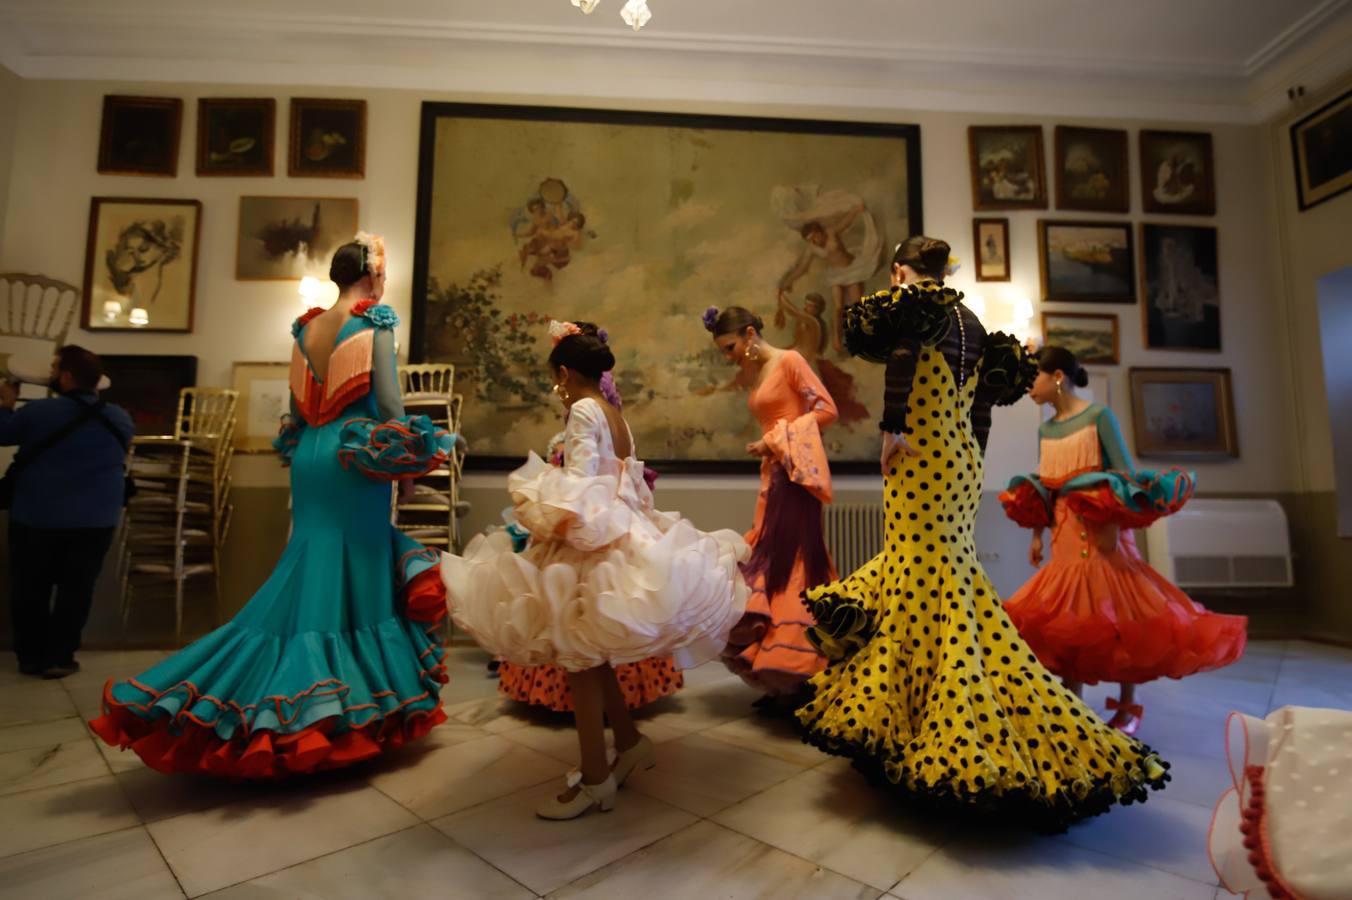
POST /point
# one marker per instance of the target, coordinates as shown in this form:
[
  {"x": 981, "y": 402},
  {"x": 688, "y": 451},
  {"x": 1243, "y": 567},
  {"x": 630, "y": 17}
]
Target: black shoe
[
  {"x": 31, "y": 669},
  {"x": 61, "y": 670}
]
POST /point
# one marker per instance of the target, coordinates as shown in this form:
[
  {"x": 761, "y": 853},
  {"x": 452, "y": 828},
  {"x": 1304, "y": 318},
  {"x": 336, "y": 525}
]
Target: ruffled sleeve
[
  {"x": 1007, "y": 370},
  {"x": 798, "y": 447},
  {"x": 817, "y": 401},
  {"x": 1027, "y": 502},
  {"x": 1122, "y": 494},
  {"x": 288, "y": 437},
  {"x": 396, "y": 449},
  {"x": 882, "y": 322},
  {"x": 582, "y": 439}
]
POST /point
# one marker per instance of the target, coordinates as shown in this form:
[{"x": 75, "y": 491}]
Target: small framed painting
[
  {"x": 1086, "y": 262},
  {"x": 139, "y": 135},
  {"x": 328, "y": 138},
  {"x": 1009, "y": 169},
  {"x": 990, "y": 238},
  {"x": 235, "y": 136},
  {"x": 1183, "y": 413},
  {"x": 287, "y": 238},
  {"x": 264, "y": 397},
  {"x": 1319, "y": 147},
  {"x": 141, "y": 264},
  {"x": 1092, "y": 337},
  {"x": 1178, "y": 173},
  {"x": 1091, "y": 169},
  {"x": 148, "y": 387},
  {"x": 1180, "y": 284}
]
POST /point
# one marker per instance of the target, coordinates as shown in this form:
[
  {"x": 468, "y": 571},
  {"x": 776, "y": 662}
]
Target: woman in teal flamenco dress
[{"x": 336, "y": 658}]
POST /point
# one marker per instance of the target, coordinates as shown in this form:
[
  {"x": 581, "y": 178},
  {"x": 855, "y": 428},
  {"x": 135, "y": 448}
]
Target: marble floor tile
[
  {"x": 839, "y": 822},
  {"x": 710, "y": 673},
  {"x": 42, "y": 734},
  {"x": 34, "y": 701},
  {"x": 156, "y": 796},
  {"x": 1199, "y": 780},
  {"x": 702, "y": 708},
  {"x": 1164, "y": 834},
  {"x": 705, "y": 776},
  {"x": 45, "y": 817},
  {"x": 38, "y": 767},
  {"x": 448, "y": 779},
  {"x": 707, "y": 861},
  {"x": 1321, "y": 694},
  {"x": 230, "y": 844},
  {"x": 545, "y": 856},
  {"x": 492, "y": 714},
  {"x": 775, "y": 737},
  {"x": 124, "y": 865},
  {"x": 980, "y": 867},
  {"x": 418, "y": 862}
]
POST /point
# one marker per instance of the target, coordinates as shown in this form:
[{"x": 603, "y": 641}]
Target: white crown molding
[{"x": 1295, "y": 35}]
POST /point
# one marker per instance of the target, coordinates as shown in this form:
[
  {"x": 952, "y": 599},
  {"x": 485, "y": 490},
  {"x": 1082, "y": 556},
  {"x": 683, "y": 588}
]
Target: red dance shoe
[{"x": 1126, "y": 718}]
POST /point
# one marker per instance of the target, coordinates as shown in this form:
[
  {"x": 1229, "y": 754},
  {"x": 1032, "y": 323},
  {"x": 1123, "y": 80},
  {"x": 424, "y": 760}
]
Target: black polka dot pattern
[
  {"x": 547, "y": 686},
  {"x": 937, "y": 696}
]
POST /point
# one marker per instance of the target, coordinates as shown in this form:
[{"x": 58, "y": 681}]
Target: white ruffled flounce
[{"x": 607, "y": 578}]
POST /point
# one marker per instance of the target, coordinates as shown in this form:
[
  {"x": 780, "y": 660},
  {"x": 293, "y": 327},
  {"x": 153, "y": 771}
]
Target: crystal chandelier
[{"x": 635, "y": 12}]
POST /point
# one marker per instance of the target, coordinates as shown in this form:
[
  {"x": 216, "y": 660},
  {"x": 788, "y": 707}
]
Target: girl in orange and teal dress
[
  {"x": 337, "y": 658},
  {"x": 641, "y": 682},
  {"x": 1097, "y": 611}
]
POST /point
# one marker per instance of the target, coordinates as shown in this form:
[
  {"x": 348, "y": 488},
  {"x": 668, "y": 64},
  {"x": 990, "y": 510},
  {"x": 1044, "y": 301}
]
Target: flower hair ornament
[
  {"x": 710, "y": 318},
  {"x": 372, "y": 252},
  {"x": 952, "y": 266},
  {"x": 560, "y": 330}
]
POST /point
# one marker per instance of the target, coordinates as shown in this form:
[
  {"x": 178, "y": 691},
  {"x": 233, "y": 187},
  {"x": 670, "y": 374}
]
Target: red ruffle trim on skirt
[
  {"x": 188, "y": 747},
  {"x": 547, "y": 686}
]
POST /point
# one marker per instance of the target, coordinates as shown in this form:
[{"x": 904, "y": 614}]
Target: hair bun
[
  {"x": 935, "y": 253},
  {"x": 1081, "y": 377}
]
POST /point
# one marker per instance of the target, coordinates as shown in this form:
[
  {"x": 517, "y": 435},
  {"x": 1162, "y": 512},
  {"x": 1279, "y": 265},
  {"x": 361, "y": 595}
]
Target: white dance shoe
[
  {"x": 640, "y": 756},
  {"x": 589, "y": 796}
]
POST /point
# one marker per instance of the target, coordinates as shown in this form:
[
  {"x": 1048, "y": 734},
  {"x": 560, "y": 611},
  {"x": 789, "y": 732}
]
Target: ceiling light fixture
[{"x": 635, "y": 12}]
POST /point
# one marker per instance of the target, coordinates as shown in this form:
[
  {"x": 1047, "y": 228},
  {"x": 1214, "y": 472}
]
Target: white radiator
[
  {"x": 854, "y": 534},
  {"x": 1223, "y": 544}
]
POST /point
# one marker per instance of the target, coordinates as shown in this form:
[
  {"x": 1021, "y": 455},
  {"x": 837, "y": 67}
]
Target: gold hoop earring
[
  {"x": 562, "y": 392},
  {"x": 1058, "y": 387},
  {"x": 751, "y": 353}
]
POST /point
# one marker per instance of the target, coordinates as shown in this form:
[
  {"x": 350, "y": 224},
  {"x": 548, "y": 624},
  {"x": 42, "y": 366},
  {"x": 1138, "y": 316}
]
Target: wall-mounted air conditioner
[{"x": 1223, "y": 544}]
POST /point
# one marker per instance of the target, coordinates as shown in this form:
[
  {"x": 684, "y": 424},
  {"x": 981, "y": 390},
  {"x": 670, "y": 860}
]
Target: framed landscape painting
[
  {"x": 1092, "y": 337},
  {"x": 1091, "y": 169},
  {"x": 639, "y": 222},
  {"x": 1183, "y": 413},
  {"x": 1320, "y": 145},
  {"x": 1009, "y": 169},
  {"x": 1086, "y": 262},
  {"x": 147, "y": 387},
  {"x": 287, "y": 238},
  {"x": 1178, "y": 173},
  {"x": 141, "y": 264},
  {"x": 1180, "y": 284}
]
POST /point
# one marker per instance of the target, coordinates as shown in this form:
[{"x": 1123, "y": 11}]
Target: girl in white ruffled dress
[{"x": 607, "y": 579}]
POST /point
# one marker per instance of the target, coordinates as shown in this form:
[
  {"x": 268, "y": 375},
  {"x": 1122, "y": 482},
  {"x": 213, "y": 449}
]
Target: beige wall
[
  {"x": 11, "y": 86},
  {"x": 47, "y": 211}
]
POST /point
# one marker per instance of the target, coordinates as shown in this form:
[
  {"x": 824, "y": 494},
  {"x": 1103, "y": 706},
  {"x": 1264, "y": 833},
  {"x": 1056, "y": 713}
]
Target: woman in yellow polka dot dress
[{"x": 930, "y": 689}]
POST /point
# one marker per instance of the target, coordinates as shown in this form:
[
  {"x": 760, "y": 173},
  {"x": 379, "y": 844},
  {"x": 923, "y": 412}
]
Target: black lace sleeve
[
  {"x": 897, "y": 383},
  {"x": 880, "y": 323}
]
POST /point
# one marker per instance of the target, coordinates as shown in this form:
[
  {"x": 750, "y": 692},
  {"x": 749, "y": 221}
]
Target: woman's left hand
[
  {"x": 1107, "y": 537},
  {"x": 758, "y": 449},
  {"x": 893, "y": 444}
]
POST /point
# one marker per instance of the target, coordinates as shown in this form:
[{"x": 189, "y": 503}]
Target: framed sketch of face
[{"x": 141, "y": 264}]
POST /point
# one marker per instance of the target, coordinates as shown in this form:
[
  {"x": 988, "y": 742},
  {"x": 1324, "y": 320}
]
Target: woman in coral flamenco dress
[
  {"x": 336, "y": 659},
  {"x": 930, "y": 691},
  {"x": 769, "y": 648},
  {"x": 606, "y": 580},
  {"x": 1097, "y": 611},
  {"x": 641, "y": 682}
]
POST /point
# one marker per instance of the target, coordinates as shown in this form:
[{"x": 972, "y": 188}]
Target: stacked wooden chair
[
  {"x": 432, "y": 515},
  {"x": 178, "y": 521}
]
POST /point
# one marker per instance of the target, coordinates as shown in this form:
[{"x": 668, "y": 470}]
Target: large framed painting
[
  {"x": 141, "y": 264},
  {"x": 1091, "y": 170},
  {"x": 147, "y": 387},
  {"x": 287, "y": 238},
  {"x": 1086, "y": 262},
  {"x": 1320, "y": 145},
  {"x": 1009, "y": 169},
  {"x": 1178, "y": 172},
  {"x": 1180, "y": 284},
  {"x": 264, "y": 397},
  {"x": 639, "y": 222},
  {"x": 1183, "y": 413}
]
